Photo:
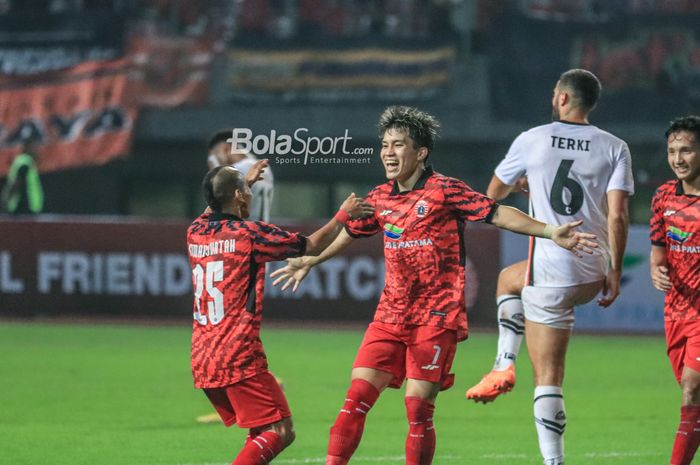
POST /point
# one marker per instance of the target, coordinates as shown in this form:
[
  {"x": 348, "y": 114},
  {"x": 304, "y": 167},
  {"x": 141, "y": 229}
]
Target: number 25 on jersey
[{"x": 214, "y": 297}]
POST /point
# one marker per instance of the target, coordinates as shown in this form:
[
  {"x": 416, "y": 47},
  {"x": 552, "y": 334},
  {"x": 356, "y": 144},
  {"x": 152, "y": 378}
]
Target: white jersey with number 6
[{"x": 570, "y": 168}]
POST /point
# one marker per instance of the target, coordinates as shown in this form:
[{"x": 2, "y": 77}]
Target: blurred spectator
[{"x": 23, "y": 193}]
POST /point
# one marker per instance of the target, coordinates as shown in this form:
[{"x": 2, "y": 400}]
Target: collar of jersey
[
  {"x": 223, "y": 217},
  {"x": 572, "y": 123},
  {"x": 420, "y": 184},
  {"x": 680, "y": 191}
]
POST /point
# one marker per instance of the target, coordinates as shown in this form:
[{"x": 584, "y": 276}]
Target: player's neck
[
  {"x": 234, "y": 210},
  {"x": 575, "y": 116},
  {"x": 691, "y": 188},
  {"x": 408, "y": 184}
]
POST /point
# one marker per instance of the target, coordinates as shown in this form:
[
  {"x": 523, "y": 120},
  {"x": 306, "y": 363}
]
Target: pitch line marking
[
  {"x": 396, "y": 458},
  {"x": 401, "y": 458}
]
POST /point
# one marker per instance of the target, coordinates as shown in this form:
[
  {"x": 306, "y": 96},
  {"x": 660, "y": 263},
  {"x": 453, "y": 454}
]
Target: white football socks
[
  {"x": 550, "y": 422},
  {"x": 511, "y": 327}
]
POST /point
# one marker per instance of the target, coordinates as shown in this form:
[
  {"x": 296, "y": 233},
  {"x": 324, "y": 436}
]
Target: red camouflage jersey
[
  {"x": 424, "y": 248},
  {"x": 675, "y": 225},
  {"x": 227, "y": 257}
]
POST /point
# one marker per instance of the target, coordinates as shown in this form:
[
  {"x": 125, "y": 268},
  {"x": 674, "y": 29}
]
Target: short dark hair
[
  {"x": 422, "y": 128},
  {"x": 219, "y": 185},
  {"x": 222, "y": 136},
  {"x": 690, "y": 123},
  {"x": 584, "y": 87}
]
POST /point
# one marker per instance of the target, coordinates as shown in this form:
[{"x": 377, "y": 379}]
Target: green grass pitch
[{"x": 121, "y": 395}]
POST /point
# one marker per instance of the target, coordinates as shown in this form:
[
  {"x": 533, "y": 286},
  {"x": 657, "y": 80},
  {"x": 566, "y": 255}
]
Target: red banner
[
  {"x": 120, "y": 267},
  {"x": 171, "y": 71},
  {"x": 81, "y": 115}
]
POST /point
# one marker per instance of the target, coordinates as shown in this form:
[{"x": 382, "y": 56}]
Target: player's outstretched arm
[
  {"x": 297, "y": 268},
  {"x": 658, "y": 264},
  {"x": 351, "y": 208},
  {"x": 618, "y": 224},
  {"x": 325, "y": 243},
  {"x": 564, "y": 236},
  {"x": 255, "y": 173}
]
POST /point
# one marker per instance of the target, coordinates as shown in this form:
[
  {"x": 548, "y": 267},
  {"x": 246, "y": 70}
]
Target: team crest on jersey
[
  {"x": 422, "y": 208},
  {"x": 392, "y": 232},
  {"x": 677, "y": 235}
]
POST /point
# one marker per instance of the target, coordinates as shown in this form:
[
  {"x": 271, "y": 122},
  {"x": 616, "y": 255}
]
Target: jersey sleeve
[
  {"x": 365, "y": 227},
  {"x": 512, "y": 167},
  {"x": 271, "y": 243},
  {"x": 656, "y": 223},
  {"x": 466, "y": 203},
  {"x": 621, "y": 178}
]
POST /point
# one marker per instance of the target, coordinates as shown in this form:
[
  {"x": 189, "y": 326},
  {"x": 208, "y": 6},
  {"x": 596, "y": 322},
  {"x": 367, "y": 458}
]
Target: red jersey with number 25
[
  {"x": 227, "y": 257},
  {"x": 424, "y": 248},
  {"x": 675, "y": 225}
]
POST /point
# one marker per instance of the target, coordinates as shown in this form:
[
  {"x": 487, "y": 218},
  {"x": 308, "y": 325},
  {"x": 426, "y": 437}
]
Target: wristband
[
  {"x": 342, "y": 216},
  {"x": 548, "y": 231}
]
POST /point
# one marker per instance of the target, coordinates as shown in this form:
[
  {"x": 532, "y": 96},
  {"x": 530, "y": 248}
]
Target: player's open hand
[
  {"x": 577, "y": 242},
  {"x": 256, "y": 171},
  {"x": 292, "y": 274},
  {"x": 611, "y": 288},
  {"x": 660, "y": 279},
  {"x": 356, "y": 207}
]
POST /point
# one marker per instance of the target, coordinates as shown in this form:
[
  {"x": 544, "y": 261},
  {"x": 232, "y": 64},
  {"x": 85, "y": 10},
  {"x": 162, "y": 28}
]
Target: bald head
[{"x": 220, "y": 185}]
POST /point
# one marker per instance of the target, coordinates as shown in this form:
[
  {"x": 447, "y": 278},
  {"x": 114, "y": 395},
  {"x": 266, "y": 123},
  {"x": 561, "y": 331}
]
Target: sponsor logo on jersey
[
  {"x": 430, "y": 367},
  {"x": 386, "y": 212},
  {"x": 669, "y": 212},
  {"x": 677, "y": 235},
  {"x": 423, "y": 242},
  {"x": 422, "y": 208},
  {"x": 392, "y": 232}
]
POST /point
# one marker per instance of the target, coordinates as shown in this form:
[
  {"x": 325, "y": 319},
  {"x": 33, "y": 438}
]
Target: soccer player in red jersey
[
  {"x": 421, "y": 313},
  {"x": 227, "y": 255},
  {"x": 675, "y": 270}
]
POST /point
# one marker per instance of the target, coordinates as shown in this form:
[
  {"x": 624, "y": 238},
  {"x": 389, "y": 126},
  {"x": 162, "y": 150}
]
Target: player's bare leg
[
  {"x": 265, "y": 443},
  {"x": 688, "y": 435},
  {"x": 346, "y": 432},
  {"x": 420, "y": 406},
  {"x": 511, "y": 326},
  {"x": 547, "y": 348}
]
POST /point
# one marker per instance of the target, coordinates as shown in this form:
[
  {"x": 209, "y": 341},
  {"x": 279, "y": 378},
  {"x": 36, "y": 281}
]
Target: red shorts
[
  {"x": 415, "y": 352},
  {"x": 683, "y": 345},
  {"x": 251, "y": 403}
]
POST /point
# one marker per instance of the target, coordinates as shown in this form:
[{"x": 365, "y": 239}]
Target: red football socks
[
  {"x": 687, "y": 437},
  {"x": 420, "y": 442},
  {"x": 346, "y": 432},
  {"x": 252, "y": 433},
  {"x": 260, "y": 450}
]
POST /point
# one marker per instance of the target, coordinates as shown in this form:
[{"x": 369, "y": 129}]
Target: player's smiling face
[
  {"x": 684, "y": 156},
  {"x": 400, "y": 156}
]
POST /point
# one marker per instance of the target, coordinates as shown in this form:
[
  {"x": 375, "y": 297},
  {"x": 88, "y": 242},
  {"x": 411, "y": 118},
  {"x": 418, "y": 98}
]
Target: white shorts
[{"x": 554, "y": 306}]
